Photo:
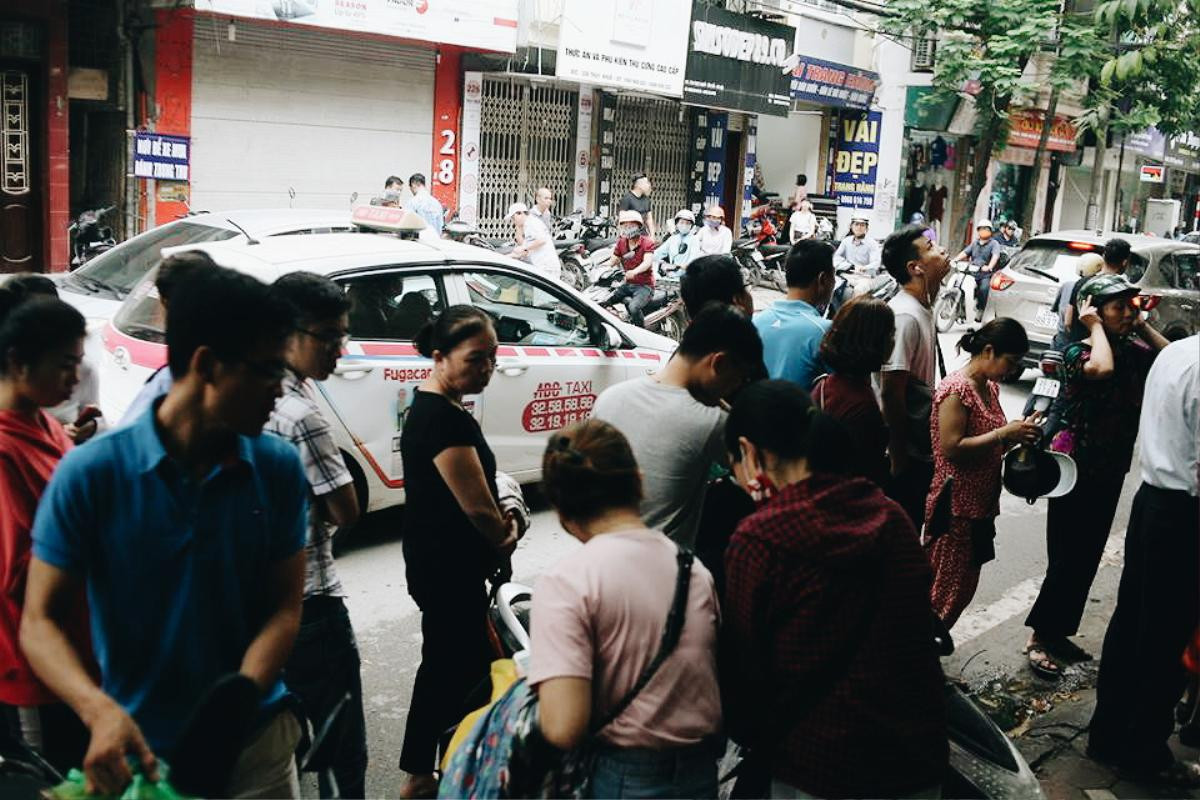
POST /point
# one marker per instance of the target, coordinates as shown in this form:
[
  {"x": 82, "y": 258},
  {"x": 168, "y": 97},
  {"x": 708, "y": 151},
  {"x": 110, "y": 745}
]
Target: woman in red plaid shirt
[{"x": 828, "y": 652}]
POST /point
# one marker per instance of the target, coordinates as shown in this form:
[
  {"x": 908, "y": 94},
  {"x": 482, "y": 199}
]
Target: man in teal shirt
[{"x": 792, "y": 329}]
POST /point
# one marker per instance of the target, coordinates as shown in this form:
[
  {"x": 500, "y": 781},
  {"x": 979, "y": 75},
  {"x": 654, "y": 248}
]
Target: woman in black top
[{"x": 454, "y": 532}]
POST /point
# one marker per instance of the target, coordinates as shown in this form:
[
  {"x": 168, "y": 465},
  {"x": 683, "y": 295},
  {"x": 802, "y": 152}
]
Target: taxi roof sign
[{"x": 392, "y": 220}]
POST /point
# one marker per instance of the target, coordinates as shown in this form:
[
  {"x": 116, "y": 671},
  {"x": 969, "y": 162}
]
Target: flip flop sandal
[
  {"x": 1068, "y": 651},
  {"x": 1042, "y": 664}
]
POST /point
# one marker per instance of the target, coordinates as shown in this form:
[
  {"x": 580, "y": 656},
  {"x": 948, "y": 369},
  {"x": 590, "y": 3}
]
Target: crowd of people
[{"x": 183, "y": 546}]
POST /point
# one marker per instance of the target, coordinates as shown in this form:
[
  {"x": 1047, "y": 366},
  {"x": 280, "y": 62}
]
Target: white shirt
[
  {"x": 1170, "y": 423},
  {"x": 714, "y": 242},
  {"x": 803, "y": 223},
  {"x": 915, "y": 352},
  {"x": 862, "y": 252},
  {"x": 544, "y": 258}
]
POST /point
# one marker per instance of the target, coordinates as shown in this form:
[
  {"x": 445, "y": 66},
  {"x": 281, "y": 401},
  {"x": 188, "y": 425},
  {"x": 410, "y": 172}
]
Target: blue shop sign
[
  {"x": 830, "y": 84},
  {"x": 161, "y": 157}
]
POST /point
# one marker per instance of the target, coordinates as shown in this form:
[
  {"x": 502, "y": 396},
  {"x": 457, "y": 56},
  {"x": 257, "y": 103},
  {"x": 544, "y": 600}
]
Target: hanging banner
[
  {"x": 734, "y": 62},
  {"x": 698, "y": 125},
  {"x": 857, "y": 160},
  {"x": 714, "y": 156},
  {"x": 608, "y": 141},
  {"x": 160, "y": 157},
  {"x": 626, "y": 44},
  {"x": 472, "y": 109},
  {"x": 828, "y": 83},
  {"x": 583, "y": 140},
  {"x": 447, "y": 108},
  {"x": 467, "y": 23},
  {"x": 748, "y": 175}
]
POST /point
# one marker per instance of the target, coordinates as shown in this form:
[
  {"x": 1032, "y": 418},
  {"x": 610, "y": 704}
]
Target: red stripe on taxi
[
  {"x": 142, "y": 353},
  {"x": 388, "y": 349}
]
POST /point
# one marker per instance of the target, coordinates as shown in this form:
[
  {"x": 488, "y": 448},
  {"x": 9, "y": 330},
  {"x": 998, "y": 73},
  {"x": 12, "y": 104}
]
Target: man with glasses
[
  {"x": 324, "y": 666},
  {"x": 186, "y": 528}
]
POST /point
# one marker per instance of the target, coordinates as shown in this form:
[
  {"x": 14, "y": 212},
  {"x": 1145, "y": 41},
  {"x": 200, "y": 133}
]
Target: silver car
[{"x": 1167, "y": 272}]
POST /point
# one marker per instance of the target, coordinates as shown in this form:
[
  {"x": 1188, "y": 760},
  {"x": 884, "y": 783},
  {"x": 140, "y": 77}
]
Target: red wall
[
  {"x": 447, "y": 108},
  {"x": 173, "y": 87}
]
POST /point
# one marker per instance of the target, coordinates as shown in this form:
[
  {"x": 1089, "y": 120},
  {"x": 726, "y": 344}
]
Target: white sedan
[{"x": 558, "y": 350}]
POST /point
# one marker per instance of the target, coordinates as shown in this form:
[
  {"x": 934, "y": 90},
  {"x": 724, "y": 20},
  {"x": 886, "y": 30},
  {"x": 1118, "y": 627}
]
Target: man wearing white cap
[{"x": 534, "y": 243}]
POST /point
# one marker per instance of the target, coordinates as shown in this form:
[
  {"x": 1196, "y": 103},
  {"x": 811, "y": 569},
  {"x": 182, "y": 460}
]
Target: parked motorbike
[
  {"x": 665, "y": 314},
  {"x": 951, "y": 305},
  {"x": 848, "y": 284},
  {"x": 763, "y": 264},
  {"x": 89, "y": 238},
  {"x": 983, "y": 761}
]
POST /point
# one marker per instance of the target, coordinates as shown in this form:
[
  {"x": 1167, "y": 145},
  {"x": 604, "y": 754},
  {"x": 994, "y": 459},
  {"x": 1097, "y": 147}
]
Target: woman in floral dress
[{"x": 972, "y": 433}]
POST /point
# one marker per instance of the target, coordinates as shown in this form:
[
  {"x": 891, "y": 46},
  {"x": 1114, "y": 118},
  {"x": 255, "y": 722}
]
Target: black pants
[
  {"x": 324, "y": 667},
  {"x": 455, "y": 659},
  {"x": 1077, "y": 528},
  {"x": 635, "y": 296},
  {"x": 53, "y": 730},
  {"x": 910, "y": 489},
  {"x": 982, "y": 287},
  {"x": 1158, "y": 606}
]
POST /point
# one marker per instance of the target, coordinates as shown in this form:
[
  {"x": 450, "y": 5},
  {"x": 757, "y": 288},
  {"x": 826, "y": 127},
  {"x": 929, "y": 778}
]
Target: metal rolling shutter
[
  {"x": 527, "y": 140},
  {"x": 326, "y": 113},
  {"x": 652, "y": 138}
]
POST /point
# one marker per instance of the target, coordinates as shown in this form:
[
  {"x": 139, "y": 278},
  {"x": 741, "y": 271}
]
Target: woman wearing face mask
[
  {"x": 970, "y": 434},
  {"x": 681, "y": 246},
  {"x": 825, "y": 577},
  {"x": 454, "y": 532},
  {"x": 41, "y": 347},
  {"x": 714, "y": 238},
  {"x": 1098, "y": 409}
]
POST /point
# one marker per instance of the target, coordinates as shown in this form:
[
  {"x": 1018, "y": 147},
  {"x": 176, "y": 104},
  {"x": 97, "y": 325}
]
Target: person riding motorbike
[
  {"x": 681, "y": 246},
  {"x": 983, "y": 253},
  {"x": 635, "y": 253},
  {"x": 858, "y": 251}
]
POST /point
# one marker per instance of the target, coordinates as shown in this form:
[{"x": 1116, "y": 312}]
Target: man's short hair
[
  {"x": 900, "y": 248},
  {"x": 393, "y": 179},
  {"x": 637, "y": 176},
  {"x": 174, "y": 268},
  {"x": 227, "y": 311},
  {"x": 722, "y": 328},
  {"x": 808, "y": 260},
  {"x": 312, "y": 297},
  {"x": 711, "y": 279},
  {"x": 417, "y": 178},
  {"x": 1117, "y": 251}
]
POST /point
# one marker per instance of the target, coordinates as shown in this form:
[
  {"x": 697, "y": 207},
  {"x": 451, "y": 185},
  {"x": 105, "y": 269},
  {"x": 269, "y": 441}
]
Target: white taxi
[{"x": 558, "y": 350}]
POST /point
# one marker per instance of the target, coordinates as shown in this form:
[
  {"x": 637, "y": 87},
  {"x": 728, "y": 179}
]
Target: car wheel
[{"x": 574, "y": 275}]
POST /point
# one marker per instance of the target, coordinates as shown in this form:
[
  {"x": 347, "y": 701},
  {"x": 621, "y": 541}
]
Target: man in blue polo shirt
[
  {"x": 187, "y": 529},
  {"x": 792, "y": 329}
]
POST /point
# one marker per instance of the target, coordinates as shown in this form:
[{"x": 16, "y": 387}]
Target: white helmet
[
  {"x": 686, "y": 213},
  {"x": 714, "y": 211},
  {"x": 984, "y": 223},
  {"x": 629, "y": 215},
  {"x": 860, "y": 218}
]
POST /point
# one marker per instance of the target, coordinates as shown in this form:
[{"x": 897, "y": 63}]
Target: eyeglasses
[
  {"x": 328, "y": 338},
  {"x": 270, "y": 371}
]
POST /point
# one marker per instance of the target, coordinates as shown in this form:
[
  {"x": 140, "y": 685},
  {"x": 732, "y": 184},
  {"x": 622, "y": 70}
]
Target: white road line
[{"x": 1018, "y": 599}]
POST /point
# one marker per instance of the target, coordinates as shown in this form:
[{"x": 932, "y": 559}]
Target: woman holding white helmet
[
  {"x": 635, "y": 253},
  {"x": 681, "y": 246},
  {"x": 714, "y": 238}
]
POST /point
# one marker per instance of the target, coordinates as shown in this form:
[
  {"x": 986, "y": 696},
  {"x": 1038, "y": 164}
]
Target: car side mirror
[{"x": 603, "y": 335}]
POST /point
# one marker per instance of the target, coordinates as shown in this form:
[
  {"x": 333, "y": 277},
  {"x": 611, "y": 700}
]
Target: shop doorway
[
  {"x": 21, "y": 220},
  {"x": 731, "y": 192}
]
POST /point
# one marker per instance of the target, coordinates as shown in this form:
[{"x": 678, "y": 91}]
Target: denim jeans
[
  {"x": 635, "y": 297},
  {"x": 689, "y": 772},
  {"x": 324, "y": 667}
]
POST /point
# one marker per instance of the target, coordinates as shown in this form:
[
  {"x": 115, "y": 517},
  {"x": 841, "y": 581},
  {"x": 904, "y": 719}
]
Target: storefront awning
[{"x": 928, "y": 115}]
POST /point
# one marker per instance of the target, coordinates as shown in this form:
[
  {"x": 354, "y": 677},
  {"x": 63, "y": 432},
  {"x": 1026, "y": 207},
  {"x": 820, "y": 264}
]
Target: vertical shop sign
[
  {"x": 608, "y": 140},
  {"x": 14, "y": 128},
  {"x": 748, "y": 173},
  {"x": 447, "y": 106},
  {"x": 472, "y": 108},
  {"x": 583, "y": 142},
  {"x": 857, "y": 160},
  {"x": 699, "y": 149},
  {"x": 714, "y": 156}
]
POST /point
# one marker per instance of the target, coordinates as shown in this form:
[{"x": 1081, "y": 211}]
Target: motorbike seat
[
  {"x": 595, "y": 244},
  {"x": 774, "y": 249},
  {"x": 565, "y": 244}
]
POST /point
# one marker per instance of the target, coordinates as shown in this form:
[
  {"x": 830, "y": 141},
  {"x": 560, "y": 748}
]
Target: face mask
[
  {"x": 984, "y": 235},
  {"x": 683, "y": 229},
  {"x": 630, "y": 232},
  {"x": 712, "y": 223}
]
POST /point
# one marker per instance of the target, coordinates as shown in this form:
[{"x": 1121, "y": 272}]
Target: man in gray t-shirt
[{"x": 672, "y": 419}]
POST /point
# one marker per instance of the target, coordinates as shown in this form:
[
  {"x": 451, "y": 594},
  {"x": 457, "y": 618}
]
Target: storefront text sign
[
  {"x": 829, "y": 84},
  {"x": 1183, "y": 152},
  {"x": 467, "y": 23},
  {"x": 734, "y": 62},
  {"x": 1152, "y": 173},
  {"x": 1026, "y": 130},
  {"x": 161, "y": 157},
  {"x": 857, "y": 160},
  {"x": 624, "y": 44}
]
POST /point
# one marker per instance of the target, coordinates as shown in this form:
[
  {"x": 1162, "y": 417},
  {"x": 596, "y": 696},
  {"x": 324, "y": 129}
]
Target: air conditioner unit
[{"x": 924, "y": 51}]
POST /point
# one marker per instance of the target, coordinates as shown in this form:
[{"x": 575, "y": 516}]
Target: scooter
[
  {"x": 983, "y": 761},
  {"x": 951, "y": 306},
  {"x": 881, "y": 287},
  {"x": 665, "y": 314},
  {"x": 762, "y": 264},
  {"x": 88, "y": 237}
]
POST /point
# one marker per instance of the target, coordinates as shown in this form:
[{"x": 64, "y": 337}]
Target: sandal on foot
[
  {"x": 1067, "y": 650},
  {"x": 1042, "y": 664}
]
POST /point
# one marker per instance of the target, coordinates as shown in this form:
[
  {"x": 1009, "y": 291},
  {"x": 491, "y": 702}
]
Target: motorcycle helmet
[
  {"x": 983, "y": 223},
  {"x": 917, "y": 219},
  {"x": 1089, "y": 264},
  {"x": 1103, "y": 288},
  {"x": 626, "y": 221},
  {"x": 1031, "y": 472},
  {"x": 685, "y": 214},
  {"x": 860, "y": 218}
]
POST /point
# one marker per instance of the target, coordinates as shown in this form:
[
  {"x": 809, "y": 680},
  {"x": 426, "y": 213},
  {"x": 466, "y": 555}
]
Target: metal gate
[
  {"x": 526, "y": 140},
  {"x": 652, "y": 137}
]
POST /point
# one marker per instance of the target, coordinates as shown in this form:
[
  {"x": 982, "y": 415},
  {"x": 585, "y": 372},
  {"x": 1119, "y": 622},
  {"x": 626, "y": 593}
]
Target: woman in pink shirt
[
  {"x": 41, "y": 346},
  {"x": 599, "y": 618}
]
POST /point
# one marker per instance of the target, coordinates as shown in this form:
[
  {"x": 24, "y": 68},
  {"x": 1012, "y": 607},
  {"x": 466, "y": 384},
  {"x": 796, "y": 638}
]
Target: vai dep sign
[
  {"x": 857, "y": 158},
  {"x": 160, "y": 157}
]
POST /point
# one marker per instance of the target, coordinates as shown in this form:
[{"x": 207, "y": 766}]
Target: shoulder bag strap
[
  {"x": 670, "y": 638},
  {"x": 940, "y": 358}
]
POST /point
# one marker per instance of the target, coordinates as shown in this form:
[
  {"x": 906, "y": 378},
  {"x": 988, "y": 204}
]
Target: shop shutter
[
  {"x": 652, "y": 137},
  {"x": 326, "y": 113},
  {"x": 526, "y": 140}
]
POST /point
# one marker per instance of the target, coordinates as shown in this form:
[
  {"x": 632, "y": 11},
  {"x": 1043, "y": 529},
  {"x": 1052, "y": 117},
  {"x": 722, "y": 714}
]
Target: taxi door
[
  {"x": 548, "y": 372},
  {"x": 373, "y": 385}
]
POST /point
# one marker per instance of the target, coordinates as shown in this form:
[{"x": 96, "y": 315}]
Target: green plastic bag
[{"x": 141, "y": 788}]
